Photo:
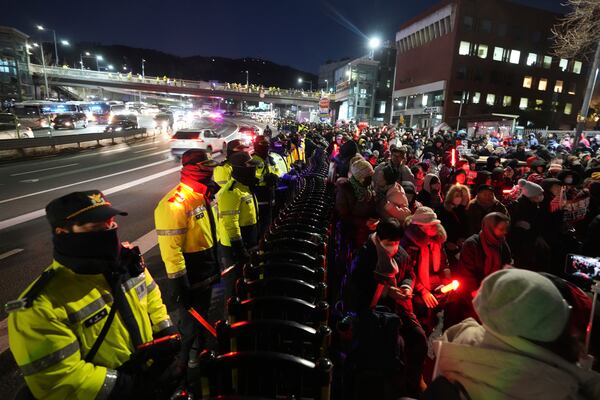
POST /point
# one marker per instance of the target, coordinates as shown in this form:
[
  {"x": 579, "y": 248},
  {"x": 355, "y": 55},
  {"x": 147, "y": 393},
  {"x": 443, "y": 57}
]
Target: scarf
[
  {"x": 430, "y": 251},
  {"x": 491, "y": 247},
  {"x": 88, "y": 252},
  {"x": 361, "y": 192},
  {"x": 245, "y": 175},
  {"x": 196, "y": 176}
]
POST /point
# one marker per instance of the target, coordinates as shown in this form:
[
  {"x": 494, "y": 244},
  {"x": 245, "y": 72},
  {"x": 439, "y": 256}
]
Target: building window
[
  {"x": 468, "y": 23},
  {"x": 542, "y": 84},
  {"x": 476, "y": 97},
  {"x": 515, "y": 55},
  {"x": 382, "y": 107},
  {"x": 498, "y": 53},
  {"x": 547, "y": 62},
  {"x": 577, "y": 67},
  {"x": 461, "y": 72},
  {"x": 482, "y": 51},
  {"x": 572, "y": 87},
  {"x": 506, "y": 101},
  {"x": 527, "y": 82},
  {"x": 523, "y": 103},
  {"x": 563, "y": 64},
  {"x": 490, "y": 99},
  {"x": 463, "y": 49},
  {"x": 531, "y": 59},
  {"x": 568, "y": 108},
  {"x": 425, "y": 100},
  {"x": 486, "y": 25},
  {"x": 558, "y": 87},
  {"x": 538, "y": 105},
  {"x": 501, "y": 30}
]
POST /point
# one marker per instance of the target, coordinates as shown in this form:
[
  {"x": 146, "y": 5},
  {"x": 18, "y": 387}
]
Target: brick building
[{"x": 489, "y": 61}]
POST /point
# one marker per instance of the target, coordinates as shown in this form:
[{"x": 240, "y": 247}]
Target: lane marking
[
  {"x": 143, "y": 151},
  {"x": 43, "y": 169},
  {"x": 85, "y": 181},
  {"x": 10, "y": 253},
  {"x": 39, "y": 213},
  {"x": 30, "y": 181},
  {"x": 98, "y": 166}
]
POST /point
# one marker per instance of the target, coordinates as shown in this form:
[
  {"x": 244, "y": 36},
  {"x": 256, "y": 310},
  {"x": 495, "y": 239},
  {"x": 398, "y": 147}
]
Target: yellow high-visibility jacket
[
  {"x": 263, "y": 168},
  {"x": 222, "y": 173},
  {"x": 50, "y": 339},
  {"x": 183, "y": 225},
  {"x": 237, "y": 207},
  {"x": 281, "y": 163}
]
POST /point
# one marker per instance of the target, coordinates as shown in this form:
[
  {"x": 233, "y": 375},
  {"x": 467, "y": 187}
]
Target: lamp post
[
  {"x": 98, "y": 58},
  {"x": 247, "y": 80},
  {"x": 43, "y": 66},
  {"x": 143, "y": 69},
  {"x": 326, "y": 85},
  {"x": 460, "y": 102},
  {"x": 41, "y": 28},
  {"x": 374, "y": 43},
  {"x": 301, "y": 81}
]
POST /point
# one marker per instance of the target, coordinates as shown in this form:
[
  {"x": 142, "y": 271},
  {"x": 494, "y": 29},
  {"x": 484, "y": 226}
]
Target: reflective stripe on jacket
[
  {"x": 183, "y": 226},
  {"x": 50, "y": 339}
]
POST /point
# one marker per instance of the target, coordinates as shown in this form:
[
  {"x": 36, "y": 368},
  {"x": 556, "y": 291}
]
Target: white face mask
[{"x": 568, "y": 180}]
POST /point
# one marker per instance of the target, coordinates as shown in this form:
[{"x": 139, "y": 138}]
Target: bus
[
  {"x": 101, "y": 112},
  {"x": 38, "y": 115}
]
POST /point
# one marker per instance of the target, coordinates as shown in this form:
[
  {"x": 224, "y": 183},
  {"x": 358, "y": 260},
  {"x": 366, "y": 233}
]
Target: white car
[{"x": 207, "y": 139}]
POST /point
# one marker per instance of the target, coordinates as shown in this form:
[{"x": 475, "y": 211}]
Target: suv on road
[
  {"x": 122, "y": 122},
  {"x": 207, "y": 139},
  {"x": 70, "y": 121}
]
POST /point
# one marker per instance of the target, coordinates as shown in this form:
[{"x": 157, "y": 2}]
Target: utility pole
[{"x": 589, "y": 90}]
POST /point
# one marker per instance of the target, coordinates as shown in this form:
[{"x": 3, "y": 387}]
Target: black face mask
[
  {"x": 88, "y": 252},
  {"x": 245, "y": 175},
  {"x": 261, "y": 151}
]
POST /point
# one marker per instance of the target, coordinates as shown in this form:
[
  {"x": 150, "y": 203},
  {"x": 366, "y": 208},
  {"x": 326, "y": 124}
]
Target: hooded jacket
[{"x": 494, "y": 367}]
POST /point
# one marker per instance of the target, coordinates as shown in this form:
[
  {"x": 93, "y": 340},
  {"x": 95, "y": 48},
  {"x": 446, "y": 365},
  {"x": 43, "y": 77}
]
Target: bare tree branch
[{"x": 579, "y": 31}]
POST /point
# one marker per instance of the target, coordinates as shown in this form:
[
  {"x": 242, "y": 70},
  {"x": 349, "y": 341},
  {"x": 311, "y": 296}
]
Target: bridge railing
[{"x": 164, "y": 81}]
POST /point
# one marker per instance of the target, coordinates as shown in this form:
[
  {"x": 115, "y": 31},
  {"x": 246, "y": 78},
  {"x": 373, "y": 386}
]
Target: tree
[{"x": 578, "y": 34}]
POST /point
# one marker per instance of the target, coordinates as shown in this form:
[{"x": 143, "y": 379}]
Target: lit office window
[
  {"x": 558, "y": 87},
  {"x": 507, "y": 101},
  {"x": 490, "y": 99},
  {"x": 563, "y": 64},
  {"x": 482, "y": 51},
  {"x": 572, "y": 87},
  {"x": 476, "y": 97},
  {"x": 498, "y": 52},
  {"x": 382, "y": 107},
  {"x": 577, "y": 67},
  {"x": 542, "y": 84},
  {"x": 515, "y": 55},
  {"x": 547, "y": 62},
  {"x": 463, "y": 49},
  {"x": 531, "y": 59},
  {"x": 523, "y": 103},
  {"x": 425, "y": 100},
  {"x": 527, "y": 82},
  {"x": 568, "y": 108},
  {"x": 538, "y": 104}
]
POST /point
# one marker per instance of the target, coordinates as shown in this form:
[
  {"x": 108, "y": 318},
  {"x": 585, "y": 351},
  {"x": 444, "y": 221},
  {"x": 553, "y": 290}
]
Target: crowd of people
[
  {"x": 446, "y": 259},
  {"x": 416, "y": 212}
]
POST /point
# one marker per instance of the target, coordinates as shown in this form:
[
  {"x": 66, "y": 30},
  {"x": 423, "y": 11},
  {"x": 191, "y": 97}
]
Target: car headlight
[
  {"x": 119, "y": 129},
  {"x": 67, "y": 123}
]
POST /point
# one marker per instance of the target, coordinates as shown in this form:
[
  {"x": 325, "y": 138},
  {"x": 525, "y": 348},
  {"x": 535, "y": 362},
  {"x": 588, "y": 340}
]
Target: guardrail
[
  {"x": 155, "y": 80},
  {"x": 53, "y": 141}
]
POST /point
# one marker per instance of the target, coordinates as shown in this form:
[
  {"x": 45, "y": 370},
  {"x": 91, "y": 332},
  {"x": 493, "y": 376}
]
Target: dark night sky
[{"x": 302, "y": 34}]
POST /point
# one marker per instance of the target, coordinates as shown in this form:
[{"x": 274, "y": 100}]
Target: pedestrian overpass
[{"x": 58, "y": 76}]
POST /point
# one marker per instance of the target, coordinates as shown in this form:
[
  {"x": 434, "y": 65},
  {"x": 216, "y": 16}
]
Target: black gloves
[
  {"x": 239, "y": 252},
  {"x": 271, "y": 180},
  {"x": 182, "y": 294}
]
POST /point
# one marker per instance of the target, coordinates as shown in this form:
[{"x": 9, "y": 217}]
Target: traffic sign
[{"x": 431, "y": 110}]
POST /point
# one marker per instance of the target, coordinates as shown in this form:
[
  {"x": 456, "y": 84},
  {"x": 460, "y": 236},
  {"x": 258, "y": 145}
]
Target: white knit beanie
[
  {"x": 361, "y": 169},
  {"x": 530, "y": 189},
  {"x": 518, "y": 302}
]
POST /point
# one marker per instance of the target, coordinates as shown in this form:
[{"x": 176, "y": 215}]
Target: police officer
[
  {"x": 63, "y": 331},
  {"x": 187, "y": 237},
  {"x": 222, "y": 172},
  {"x": 267, "y": 174},
  {"x": 238, "y": 209}
]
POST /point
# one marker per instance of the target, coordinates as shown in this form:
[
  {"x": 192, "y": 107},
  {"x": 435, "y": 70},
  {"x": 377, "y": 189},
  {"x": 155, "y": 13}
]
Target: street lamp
[
  {"x": 43, "y": 66},
  {"x": 65, "y": 42},
  {"x": 374, "y": 43},
  {"x": 301, "y": 81},
  {"x": 143, "y": 68},
  {"x": 461, "y": 102},
  {"x": 110, "y": 67},
  {"x": 326, "y": 85},
  {"x": 41, "y": 28},
  {"x": 98, "y": 58}
]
